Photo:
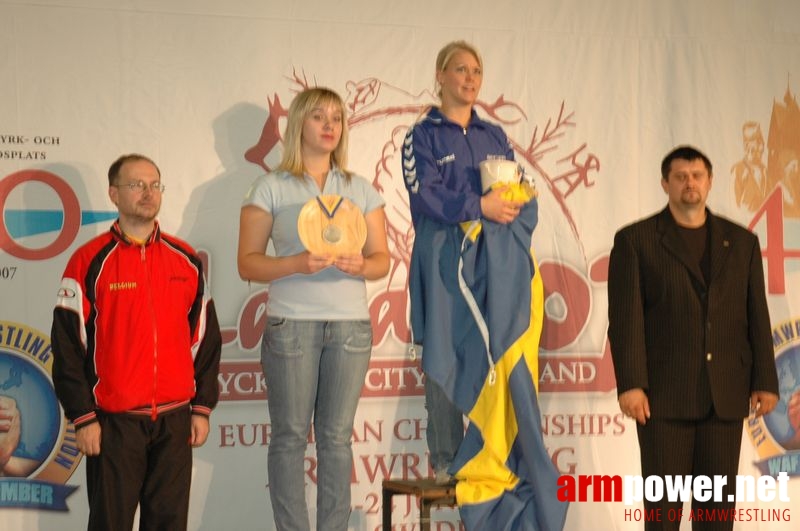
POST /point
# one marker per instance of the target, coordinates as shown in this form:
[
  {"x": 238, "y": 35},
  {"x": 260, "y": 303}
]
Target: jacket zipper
[{"x": 153, "y": 405}]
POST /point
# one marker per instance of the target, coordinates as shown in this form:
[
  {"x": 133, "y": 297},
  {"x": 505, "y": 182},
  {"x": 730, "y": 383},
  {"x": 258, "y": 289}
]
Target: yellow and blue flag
[{"x": 481, "y": 342}]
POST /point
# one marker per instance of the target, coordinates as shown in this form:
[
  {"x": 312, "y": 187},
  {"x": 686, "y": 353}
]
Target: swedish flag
[{"x": 486, "y": 359}]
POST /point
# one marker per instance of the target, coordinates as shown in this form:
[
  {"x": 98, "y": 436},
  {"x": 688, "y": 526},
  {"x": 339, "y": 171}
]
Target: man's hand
[
  {"x": 634, "y": 403},
  {"x": 199, "y": 430},
  {"x": 88, "y": 438},
  {"x": 9, "y": 429},
  {"x": 762, "y": 402}
]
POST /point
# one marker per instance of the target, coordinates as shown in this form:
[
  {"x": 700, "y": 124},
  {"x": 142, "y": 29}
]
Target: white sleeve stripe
[{"x": 70, "y": 297}]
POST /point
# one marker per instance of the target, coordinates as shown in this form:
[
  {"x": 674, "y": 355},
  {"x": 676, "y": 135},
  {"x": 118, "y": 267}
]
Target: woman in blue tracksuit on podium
[{"x": 441, "y": 157}]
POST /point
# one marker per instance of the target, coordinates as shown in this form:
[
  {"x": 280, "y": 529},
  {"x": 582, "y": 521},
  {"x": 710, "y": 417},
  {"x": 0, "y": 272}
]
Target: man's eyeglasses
[{"x": 140, "y": 186}]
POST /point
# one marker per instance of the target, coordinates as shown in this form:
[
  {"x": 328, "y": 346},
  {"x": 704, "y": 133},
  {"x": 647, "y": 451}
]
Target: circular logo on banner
[
  {"x": 43, "y": 455},
  {"x": 69, "y": 224},
  {"x": 776, "y": 436}
]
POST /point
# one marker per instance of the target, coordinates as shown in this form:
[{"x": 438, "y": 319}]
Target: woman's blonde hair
[
  {"x": 447, "y": 53},
  {"x": 302, "y": 105}
]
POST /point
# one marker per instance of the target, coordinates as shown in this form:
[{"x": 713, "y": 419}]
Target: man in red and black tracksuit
[{"x": 137, "y": 347}]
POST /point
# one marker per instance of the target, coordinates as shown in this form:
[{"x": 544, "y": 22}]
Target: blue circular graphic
[
  {"x": 778, "y": 422},
  {"x": 40, "y": 415}
]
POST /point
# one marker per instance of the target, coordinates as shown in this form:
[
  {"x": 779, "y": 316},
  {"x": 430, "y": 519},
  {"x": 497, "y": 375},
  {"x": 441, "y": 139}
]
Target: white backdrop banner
[{"x": 592, "y": 94}]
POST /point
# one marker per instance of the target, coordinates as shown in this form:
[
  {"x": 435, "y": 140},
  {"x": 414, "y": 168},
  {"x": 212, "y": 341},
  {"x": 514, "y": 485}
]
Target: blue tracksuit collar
[{"x": 435, "y": 115}]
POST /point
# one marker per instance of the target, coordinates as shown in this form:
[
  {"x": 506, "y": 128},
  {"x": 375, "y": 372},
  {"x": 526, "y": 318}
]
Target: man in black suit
[{"x": 690, "y": 335}]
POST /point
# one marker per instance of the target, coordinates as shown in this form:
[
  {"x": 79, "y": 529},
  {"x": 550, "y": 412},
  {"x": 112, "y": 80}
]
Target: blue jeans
[
  {"x": 313, "y": 369},
  {"x": 445, "y": 429}
]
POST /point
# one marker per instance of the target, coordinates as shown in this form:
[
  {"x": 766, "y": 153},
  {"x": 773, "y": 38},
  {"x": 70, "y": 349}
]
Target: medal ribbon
[{"x": 330, "y": 212}]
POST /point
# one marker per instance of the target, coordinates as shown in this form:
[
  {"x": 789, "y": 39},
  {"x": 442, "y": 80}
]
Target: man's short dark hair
[
  {"x": 689, "y": 153},
  {"x": 116, "y": 166}
]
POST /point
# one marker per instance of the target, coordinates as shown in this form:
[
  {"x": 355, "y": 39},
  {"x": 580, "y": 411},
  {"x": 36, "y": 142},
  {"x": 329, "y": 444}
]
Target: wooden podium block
[{"x": 426, "y": 491}]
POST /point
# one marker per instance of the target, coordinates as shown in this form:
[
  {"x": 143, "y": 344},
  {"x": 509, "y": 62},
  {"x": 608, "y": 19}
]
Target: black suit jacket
[{"x": 689, "y": 343}]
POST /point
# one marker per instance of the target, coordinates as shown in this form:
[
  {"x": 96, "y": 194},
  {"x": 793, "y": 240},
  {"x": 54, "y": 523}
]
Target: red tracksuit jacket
[{"x": 134, "y": 329}]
